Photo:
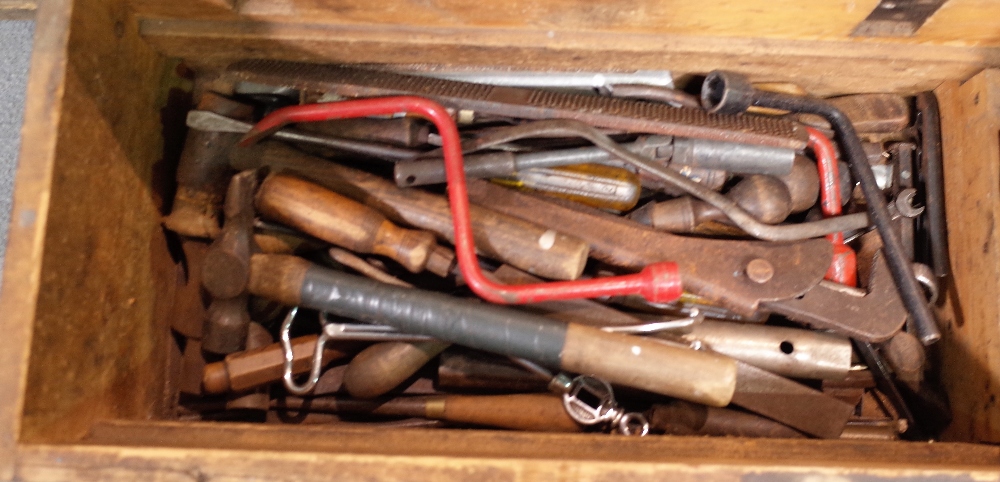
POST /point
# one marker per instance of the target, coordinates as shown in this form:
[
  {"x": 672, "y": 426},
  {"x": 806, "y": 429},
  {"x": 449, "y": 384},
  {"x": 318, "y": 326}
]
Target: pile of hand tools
[{"x": 388, "y": 245}]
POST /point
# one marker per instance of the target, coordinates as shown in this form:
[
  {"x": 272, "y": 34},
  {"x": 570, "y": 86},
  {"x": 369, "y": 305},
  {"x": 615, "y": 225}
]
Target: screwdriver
[{"x": 331, "y": 217}]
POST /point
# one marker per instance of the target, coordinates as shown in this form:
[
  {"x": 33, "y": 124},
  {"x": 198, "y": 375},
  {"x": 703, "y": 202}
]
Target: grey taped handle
[{"x": 472, "y": 324}]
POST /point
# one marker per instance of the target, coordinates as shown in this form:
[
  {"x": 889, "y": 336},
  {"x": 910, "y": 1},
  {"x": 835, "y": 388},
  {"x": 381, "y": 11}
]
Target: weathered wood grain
[
  {"x": 22, "y": 263},
  {"x": 970, "y": 118},
  {"x": 960, "y": 22},
  {"x": 97, "y": 288},
  {"x": 83, "y": 310}
]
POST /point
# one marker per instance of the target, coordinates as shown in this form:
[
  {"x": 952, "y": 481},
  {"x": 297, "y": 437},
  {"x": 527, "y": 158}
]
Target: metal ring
[
  {"x": 633, "y": 419},
  {"x": 583, "y": 413}
]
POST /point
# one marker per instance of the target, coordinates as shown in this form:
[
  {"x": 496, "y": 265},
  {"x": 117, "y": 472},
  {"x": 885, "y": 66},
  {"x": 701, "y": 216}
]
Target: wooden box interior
[{"x": 89, "y": 278}]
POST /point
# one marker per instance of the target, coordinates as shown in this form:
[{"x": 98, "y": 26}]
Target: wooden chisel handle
[
  {"x": 540, "y": 412},
  {"x": 253, "y": 368},
  {"x": 669, "y": 370},
  {"x": 383, "y": 366},
  {"x": 331, "y": 217}
]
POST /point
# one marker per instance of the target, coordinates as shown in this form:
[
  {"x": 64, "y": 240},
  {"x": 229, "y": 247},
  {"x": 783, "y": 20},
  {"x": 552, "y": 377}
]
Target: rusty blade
[
  {"x": 711, "y": 268},
  {"x": 608, "y": 112},
  {"x": 790, "y": 403}
]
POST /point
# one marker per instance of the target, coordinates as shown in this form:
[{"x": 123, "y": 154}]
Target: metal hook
[
  {"x": 659, "y": 326},
  {"x": 286, "y": 348}
]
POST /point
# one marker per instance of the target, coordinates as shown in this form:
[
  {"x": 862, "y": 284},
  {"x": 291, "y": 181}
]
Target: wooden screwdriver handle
[
  {"x": 651, "y": 365},
  {"x": 253, "y": 368},
  {"x": 524, "y": 244},
  {"x": 383, "y": 366},
  {"x": 331, "y": 217},
  {"x": 541, "y": 412}
]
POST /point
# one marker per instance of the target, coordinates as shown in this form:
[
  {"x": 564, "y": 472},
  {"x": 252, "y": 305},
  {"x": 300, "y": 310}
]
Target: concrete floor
[{"x": 15, "y": 56}]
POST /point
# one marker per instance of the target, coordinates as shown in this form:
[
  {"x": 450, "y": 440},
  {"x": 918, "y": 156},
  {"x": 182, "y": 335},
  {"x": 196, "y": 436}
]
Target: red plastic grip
[
  {"x": 843, "y": 266},
  {"x": 658, "y": 282}
]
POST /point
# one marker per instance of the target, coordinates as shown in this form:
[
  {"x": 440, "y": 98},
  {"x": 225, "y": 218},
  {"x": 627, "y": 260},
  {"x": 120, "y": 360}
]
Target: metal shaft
[
  {"x": 699, "y": 153},
  {"x": 212, "y": 122}
]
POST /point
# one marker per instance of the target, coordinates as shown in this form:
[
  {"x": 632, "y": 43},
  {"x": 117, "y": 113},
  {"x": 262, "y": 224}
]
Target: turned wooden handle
[
  {"x": 524, "y": 244},
  {"x": 534, "y": 411},
  {"x": 633, "y": 361},
  {"x": 331, "y": 217},
  {"x": 383, "y": 366},
  {"x": 542, "y": 412},
  {"x": 253, "y": 368}
]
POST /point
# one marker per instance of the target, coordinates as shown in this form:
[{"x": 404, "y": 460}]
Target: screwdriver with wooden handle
[
  {"x": 524, "y": 244},
  {"x": 534, "y": 411},
  {"x": 254, "y": 368},
  {"x": 331, "y": 217}
]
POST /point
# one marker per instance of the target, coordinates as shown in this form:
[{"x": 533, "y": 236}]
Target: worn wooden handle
[
  {"x": 524, "y": 244},
  {"x": 383, "y": 366},
  {"x": 253, "y": 368},
  {"x": 331, "y": 217},
  {"x": 651, "y": 365},
  {"x": 532, "y": 411},
  {"x": 277, "y": 277}
]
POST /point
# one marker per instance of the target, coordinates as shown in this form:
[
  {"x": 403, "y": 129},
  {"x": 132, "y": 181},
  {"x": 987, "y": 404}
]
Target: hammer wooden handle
[
  {"x": 331, "y": 217},
  {"x": 535, "y": 412}
]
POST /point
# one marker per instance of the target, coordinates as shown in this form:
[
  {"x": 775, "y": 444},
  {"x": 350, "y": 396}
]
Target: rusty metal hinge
[{"x": 897, "y": 18}]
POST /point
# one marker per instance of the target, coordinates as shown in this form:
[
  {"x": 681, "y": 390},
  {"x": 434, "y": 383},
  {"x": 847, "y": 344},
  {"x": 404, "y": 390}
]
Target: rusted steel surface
[
  {"x": 202, "y": 171},
  {"x": 790, "y": 403},
  {"x": 610, "y": 112},
  {"x": 707, "y": 266},
  {"x": 874, "y": 316}
]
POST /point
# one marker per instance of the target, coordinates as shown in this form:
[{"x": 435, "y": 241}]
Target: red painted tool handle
[
  {"x": 658, "y": 282},
  {"x": 843, "y": 267}
]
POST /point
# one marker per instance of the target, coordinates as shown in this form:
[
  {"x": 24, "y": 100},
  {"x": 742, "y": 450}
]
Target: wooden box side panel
[
  {"x": 103, "y": 463},
  {"x": 26, "y": 233},
  {"x": 958, "y": 22},
  {"x": 493, "y": 444},
  {"x": 970, "y": 118},
  {"x": 97, "y": 348},
  {"x": 822, "y": 67}
]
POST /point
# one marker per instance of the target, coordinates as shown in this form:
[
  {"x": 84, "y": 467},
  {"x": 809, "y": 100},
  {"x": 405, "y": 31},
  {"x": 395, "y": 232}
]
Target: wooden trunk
[{"x": 89, "y": 277}]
